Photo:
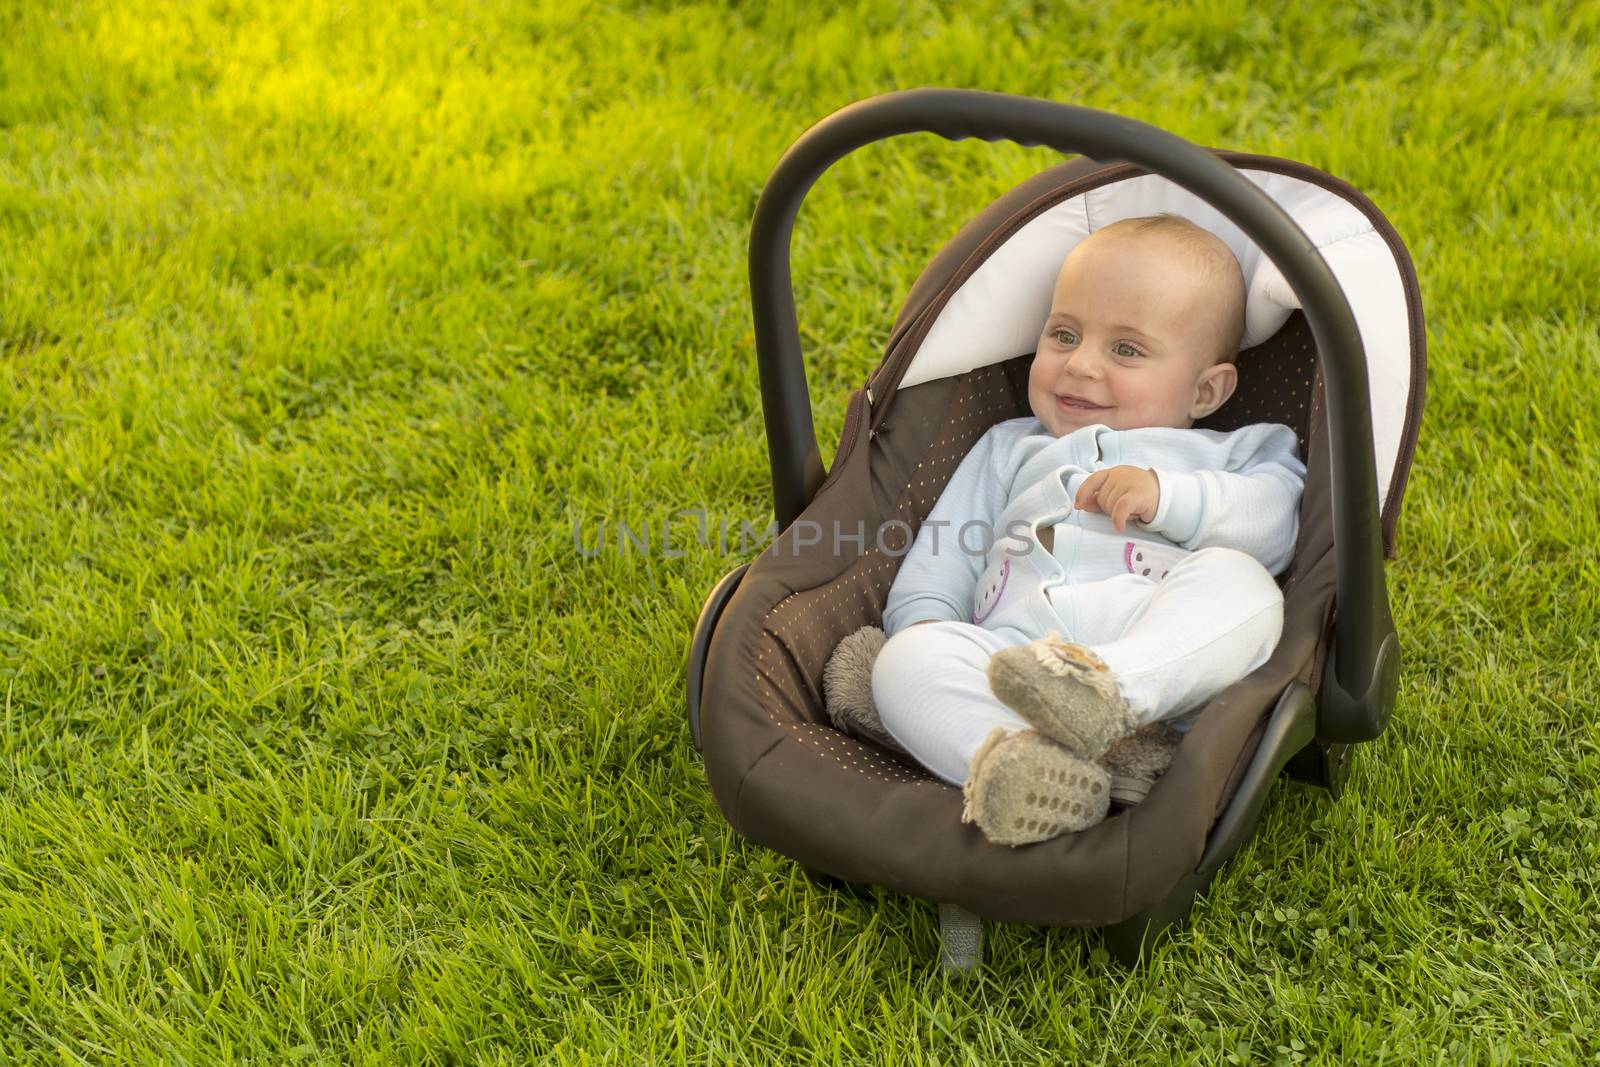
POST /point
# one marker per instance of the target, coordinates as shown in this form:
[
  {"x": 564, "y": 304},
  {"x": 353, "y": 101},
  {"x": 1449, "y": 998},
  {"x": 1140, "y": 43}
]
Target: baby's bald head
[{"x": 1219, "y": 291}]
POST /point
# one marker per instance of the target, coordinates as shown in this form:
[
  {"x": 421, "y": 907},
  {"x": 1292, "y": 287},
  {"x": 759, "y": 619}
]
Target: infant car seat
[{"x": 1334, "y": 349}]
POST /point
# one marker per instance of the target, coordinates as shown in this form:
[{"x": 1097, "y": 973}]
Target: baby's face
[{"x": 1130, "y": 340}]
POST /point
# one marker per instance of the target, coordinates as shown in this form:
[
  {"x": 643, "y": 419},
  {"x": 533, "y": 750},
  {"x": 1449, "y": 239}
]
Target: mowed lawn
[{"x": 323, "y": 325}]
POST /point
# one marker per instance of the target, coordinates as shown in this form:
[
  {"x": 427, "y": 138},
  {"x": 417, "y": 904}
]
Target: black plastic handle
[{"x": 1366, "y": 660}]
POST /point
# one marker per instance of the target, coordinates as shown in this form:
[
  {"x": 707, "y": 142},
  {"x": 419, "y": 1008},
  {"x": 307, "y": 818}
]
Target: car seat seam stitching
[{"x": 738, "y": 795}]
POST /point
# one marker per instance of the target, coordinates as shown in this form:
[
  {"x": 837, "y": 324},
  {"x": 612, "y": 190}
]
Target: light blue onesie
[{"x": 1179, "y": 608}]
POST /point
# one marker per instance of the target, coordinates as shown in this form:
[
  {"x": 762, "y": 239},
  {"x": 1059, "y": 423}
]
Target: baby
[{"x": 1126, "y": 574}]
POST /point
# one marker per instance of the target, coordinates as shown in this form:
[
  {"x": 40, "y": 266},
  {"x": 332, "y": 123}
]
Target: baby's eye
[
  {"x": 1127, "y": 349},
  {"x": 1064, "y": 336}
]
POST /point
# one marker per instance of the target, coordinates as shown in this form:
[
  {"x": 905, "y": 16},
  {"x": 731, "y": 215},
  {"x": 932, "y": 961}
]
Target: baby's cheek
[
  {"x": 1041, "y": 376},
  {"x": 1035, "y": 386}
]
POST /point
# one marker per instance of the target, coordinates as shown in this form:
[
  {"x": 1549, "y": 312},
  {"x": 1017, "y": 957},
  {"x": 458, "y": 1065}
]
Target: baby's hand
[{"x": 1122, "y": 492}]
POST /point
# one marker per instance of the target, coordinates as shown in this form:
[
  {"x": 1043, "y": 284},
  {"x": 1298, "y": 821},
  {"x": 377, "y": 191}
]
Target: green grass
[{"x": 321, "y": 324}]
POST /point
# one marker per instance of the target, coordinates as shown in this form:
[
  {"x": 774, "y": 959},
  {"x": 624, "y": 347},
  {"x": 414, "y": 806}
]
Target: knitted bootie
[
  {"x": 1063, "y": 691},
  {"x": 1023, "y": 787},
  {"x": 847, "y": 687},
  {"x": 1136, "y": 761}
]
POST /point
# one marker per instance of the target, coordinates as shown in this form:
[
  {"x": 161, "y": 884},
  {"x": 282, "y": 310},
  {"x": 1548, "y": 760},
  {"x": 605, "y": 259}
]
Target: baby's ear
[{"x": 1215, "y": 386}]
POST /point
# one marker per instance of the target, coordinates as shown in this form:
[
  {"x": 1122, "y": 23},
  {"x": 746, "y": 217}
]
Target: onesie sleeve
[
  {"x": 937, "y": 578},
  {"x": 1252, "y": 504}
]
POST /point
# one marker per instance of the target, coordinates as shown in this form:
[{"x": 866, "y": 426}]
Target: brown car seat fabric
[
  {"x": 781, "y": 774},
  {"x": 785, "y": 778}
]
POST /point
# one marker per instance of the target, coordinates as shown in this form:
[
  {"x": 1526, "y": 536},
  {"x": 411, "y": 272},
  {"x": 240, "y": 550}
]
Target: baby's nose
[{"x": 1083, "y": 364}]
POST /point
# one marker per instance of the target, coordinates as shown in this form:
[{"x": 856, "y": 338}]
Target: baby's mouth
[{"x": 1078, "y": 404}]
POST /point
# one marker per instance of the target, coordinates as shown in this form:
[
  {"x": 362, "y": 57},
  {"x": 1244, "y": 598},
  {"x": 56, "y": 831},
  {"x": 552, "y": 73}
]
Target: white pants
[{"x": 1173, "y": 644}]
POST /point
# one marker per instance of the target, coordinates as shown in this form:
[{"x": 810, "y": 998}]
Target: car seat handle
[{"x": 1365, "y": 663}]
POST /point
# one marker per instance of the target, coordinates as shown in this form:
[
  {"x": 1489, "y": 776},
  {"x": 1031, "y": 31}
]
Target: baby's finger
[
  {"x": 1124, "y": 508},
  {"x": 1088, "y": 492}
]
